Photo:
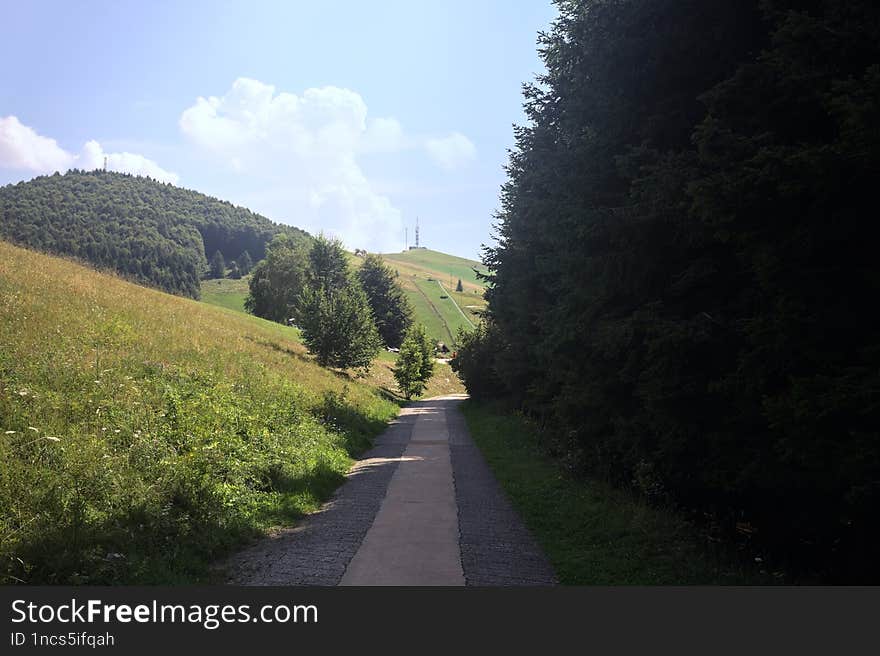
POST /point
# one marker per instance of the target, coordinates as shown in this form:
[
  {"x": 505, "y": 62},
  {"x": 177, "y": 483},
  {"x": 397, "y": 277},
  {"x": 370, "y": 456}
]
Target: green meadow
[{"x": 144, "y": 435}]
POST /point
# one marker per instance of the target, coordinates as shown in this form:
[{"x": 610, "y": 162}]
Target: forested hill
[{"x": 153, "y": 233}]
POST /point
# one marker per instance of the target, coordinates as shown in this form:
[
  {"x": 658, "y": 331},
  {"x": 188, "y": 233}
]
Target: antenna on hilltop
[
  {"x": 105, "y": 162},
  {"x": 406, "y": 239},
  {"x": 417, "y": 232}
]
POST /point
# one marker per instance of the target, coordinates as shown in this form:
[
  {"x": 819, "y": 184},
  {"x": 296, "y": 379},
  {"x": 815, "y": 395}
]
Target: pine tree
[
  {"x": 333, "y": 311},
  {"x": 459, "y": 287},
  {"x": 245, "y": 263},
  {"x": 391, "y": 309},
  {"x": 218, "y": 265},
  {"x": 415, "y": 362}
]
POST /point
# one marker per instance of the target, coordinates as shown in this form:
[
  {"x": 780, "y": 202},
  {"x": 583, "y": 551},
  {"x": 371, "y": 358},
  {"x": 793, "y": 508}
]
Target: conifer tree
[{"x": 415, "y": 362}]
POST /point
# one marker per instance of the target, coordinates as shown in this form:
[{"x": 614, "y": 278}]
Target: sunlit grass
[
  {"x": 225, "y": 292},
  {"x": 142, "y": 434}
]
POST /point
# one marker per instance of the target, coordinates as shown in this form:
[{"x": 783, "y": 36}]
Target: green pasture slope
[
  {"x": 420, "y": 271},
  {"x": 445, "y": 266},
  {"x": 225, "y": 292},
  {"x": 449, "y": 316}
]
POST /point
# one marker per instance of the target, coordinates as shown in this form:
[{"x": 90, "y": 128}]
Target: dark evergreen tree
[
  {"x": 459, "y": 287},
  {"x": 680, "y": 290},
  {"x": 218, "y": 266},
  {"x": 391, "y": 309},
  {"x": 245, "y": 263}
]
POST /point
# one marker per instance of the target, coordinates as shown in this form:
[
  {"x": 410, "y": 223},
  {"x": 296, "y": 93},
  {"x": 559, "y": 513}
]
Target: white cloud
[
  {"x": 383, "y": 135},
  {"x": 305, "y": 148},
  {"x": 451, "y": 152},
  {"x": 21, "y": 148}
]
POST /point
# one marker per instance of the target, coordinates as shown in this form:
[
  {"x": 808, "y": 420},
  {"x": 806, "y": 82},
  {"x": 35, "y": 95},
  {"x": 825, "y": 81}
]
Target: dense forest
[
  {"x": 683, "y": 284},
  {"x": 153, "y": 233}
]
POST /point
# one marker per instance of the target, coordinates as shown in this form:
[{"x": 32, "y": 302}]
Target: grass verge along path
[{"x": 592, "y": 533}]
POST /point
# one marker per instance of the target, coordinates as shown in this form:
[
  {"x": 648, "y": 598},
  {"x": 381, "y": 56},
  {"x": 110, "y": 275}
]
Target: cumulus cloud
[
  {"x": 383, "y": 135},
  {"x": 21, "y": 148},
  {"x": 306, "y": 147},
  {"x": 451, "y": 152}
]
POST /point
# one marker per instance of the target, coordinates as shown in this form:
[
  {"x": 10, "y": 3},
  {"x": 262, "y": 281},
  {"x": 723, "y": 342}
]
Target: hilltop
[
  {"x": 153, "y": 233},
  {"x": 429, "y": 279}
]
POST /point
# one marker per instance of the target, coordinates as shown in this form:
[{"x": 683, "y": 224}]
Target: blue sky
[{"x": 348, "y": 117}]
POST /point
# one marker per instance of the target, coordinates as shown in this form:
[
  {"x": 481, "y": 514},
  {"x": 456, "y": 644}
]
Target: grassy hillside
[
  {"x": 153, "y": 233},
  {"x": 422, "y": 272},
  {"x": 448, "y": 268},
  {"x": 448, "y": 317},
  {"x": 142, "y": 434},
  {"x": 424, "y": 277},
  {"x": 225, "y": 292}
]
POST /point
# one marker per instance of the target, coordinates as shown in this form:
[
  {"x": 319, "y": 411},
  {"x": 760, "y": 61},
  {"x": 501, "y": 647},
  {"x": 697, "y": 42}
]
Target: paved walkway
[{"x": 421, "y": 508}]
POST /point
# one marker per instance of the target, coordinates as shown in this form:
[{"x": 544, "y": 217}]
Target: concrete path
[
  {"x": 414, "y": 538},
  {"x": 421, "y": 508}
]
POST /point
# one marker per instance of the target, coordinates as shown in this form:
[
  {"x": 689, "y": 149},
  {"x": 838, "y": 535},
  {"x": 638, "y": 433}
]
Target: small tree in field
[
  {"x": 218, "y": 265},
  {"x": 459, "y": 287},
  {"x": 245, "y": 263},
  {"x": 415, "y": 363}
]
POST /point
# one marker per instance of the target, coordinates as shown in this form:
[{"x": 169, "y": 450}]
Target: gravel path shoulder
[
  {"x": 317, "y": 551},
  {"x": 496, "y": 547}
]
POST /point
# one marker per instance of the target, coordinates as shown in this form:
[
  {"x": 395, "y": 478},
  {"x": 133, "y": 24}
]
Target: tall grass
[{"x": 143, "y": 435}]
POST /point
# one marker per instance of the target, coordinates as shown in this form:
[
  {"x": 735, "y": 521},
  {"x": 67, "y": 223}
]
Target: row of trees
[
  {"x": 154, "y": 233},
  {"x": 682, "y": 291},
  {"x": 237, "y": 268},
  {"x": 345, "y": 317}
]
